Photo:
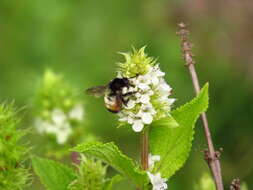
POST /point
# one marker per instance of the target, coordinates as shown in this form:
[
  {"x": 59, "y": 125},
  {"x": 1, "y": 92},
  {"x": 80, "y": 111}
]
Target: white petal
[
  {"x": 145, "y": 99},
  {"x": 144, "y": 79},
  {"x": 58, "y": 116},
  {"x": 156, "y": 157},
  {"x": 77, "y": 112},
  {"x": 155, "y": 80},
  {"x": 130, "y": 104},
  {"x": 171, "y": 100},
  {"x": 39, "y": 124},
  {"x": 137, "y": 125},
  {"x": 159, "y": 73},
  {"x": 119, "y": 74},
  {"x": 63, "y": 133},
  {"x": 165, "y": 87},
  {"x": 157, "y": 182},
  {"x": 137, "y": 95},
  {"x": 61, "y": 138},
  {"x": 143, "y": 86},
  {"x": 152, "y": 159},
  {"x": 130, "y": 120},
  {"x": 148, "y": 108},
  {"x": 123, "y": 119},
  {"x": 147, "y": 118},
  {"x": 150, "y": 92},
  {"x": 50, "y": 128},
  {"x": 124, "y": 90}
]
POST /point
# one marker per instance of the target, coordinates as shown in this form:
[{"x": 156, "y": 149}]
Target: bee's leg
[
  {"x": 128, "y": 94},
  {"x": 124, "y": 100}
]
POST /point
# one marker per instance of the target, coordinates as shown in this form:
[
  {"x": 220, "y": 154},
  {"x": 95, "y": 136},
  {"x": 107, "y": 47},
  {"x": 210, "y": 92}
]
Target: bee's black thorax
[{"x": 117, "y": 84}]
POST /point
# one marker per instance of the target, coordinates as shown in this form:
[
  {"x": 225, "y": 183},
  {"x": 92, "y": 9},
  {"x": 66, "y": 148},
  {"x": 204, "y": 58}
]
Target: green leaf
[
  {"x": 174, "y": 144},
  {"x": 110, "y": 154},
  {"x": 53, "y": 175},
  {"x": 110, "y": 182},
  {"x": 169, "y": 122}
]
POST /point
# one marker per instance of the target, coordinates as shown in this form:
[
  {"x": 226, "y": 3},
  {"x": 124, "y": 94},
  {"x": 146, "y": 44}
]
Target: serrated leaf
[
  {"x": 174, "y": 144},
  {"x": 169, "y": 122},
  {"x": 54, "y": 175},
  {"x": 110, "y": 154},
  {"x": 110, "y": 182}
]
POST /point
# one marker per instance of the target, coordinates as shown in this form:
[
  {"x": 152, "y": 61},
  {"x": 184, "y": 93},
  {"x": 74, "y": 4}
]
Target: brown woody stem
[
  {"x": 211, "y": 156},
  {"x": 144, "y": 148}
]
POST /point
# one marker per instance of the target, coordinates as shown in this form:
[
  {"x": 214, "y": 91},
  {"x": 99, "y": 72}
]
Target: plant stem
[
  {"x": 144, "y": 148},
  {"x": 211, "y": 156}
]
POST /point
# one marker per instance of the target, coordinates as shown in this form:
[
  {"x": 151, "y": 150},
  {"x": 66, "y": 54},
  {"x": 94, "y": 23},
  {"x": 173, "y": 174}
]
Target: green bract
[
  {"x": 136, "y": 62},
  {"x": 91, "y": 175},
  {"x": 13, "y": 174}
]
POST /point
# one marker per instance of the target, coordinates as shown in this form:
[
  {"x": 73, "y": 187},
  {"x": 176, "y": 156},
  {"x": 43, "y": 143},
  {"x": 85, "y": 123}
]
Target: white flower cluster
[
  {"x": 149, "y": 100},
  {"x": 156, "y": 180},
  {"x": 59, "y": 123}
]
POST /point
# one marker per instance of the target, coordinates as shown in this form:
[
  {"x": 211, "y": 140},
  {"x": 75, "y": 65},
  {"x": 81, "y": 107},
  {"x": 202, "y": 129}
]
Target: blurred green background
[{"x": 80, "y": 39}]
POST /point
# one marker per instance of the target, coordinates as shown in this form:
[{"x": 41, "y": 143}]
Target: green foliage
[
  {"x": 108, "y": 185},
  {"x": 174, "y": 144},
  {"x": 53, "y": 91},
  {"x": 53, "y": 175},
  {"x": 13, "y": 174},
  {"x": 205, "y": 183},
  {"x": 169, "y": 122},
  {"x": 91, "y": 175},
  {"x": 110, "y": 154},
  {"x": 244, "y": 186},
  {"x": 136, "y": 62}
]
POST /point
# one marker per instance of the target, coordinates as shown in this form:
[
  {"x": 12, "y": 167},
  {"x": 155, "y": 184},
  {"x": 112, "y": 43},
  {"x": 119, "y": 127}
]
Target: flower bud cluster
[
  {"x": 91, "y": 175},
  {"x": 149, "y": 93},
  {"x": 156, "y": 180},
  {"x": 58, "y": 123},
  {"x": 58, "y": 110},
  {"x": 13, "y": 173}
]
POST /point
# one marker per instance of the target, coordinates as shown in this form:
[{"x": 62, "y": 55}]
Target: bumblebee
[{"x": 113, "y": 93}]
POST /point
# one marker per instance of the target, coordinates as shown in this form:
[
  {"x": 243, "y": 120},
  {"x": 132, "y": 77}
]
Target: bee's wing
[{"x": 97, "y": 91}]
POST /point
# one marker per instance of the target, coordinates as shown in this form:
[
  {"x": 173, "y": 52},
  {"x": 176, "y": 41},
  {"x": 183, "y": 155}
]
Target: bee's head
[
  {"x": 118, "y": 83},
  {"x": 125, "y": 81}
]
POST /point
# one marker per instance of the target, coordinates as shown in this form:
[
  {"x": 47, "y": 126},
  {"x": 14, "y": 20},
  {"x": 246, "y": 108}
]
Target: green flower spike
[{"x": 13, "y": 174}]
